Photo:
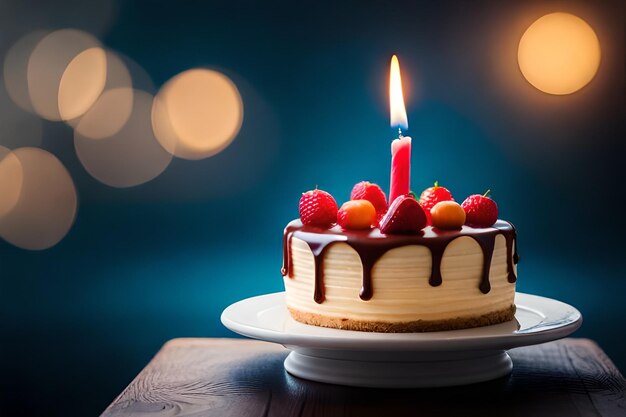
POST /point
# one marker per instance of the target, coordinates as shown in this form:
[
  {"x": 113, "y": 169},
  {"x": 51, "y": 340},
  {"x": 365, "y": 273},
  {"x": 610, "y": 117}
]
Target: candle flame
[{"x": 396, "y": 99}]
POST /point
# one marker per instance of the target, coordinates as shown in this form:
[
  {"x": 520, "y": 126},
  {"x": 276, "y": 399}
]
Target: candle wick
[{"x": 400, "y": 133}]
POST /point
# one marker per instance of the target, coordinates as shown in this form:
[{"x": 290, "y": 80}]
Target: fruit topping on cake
[
  {"x": 318, "y": 208},
  {"x": 432, "y": 196},
  {"x": 480, "y": 210},
  {"x": 405, "y": 216},
  {"x": 365, "y": 190},
  {"x": 356, "y": 214},
  {"x": 447, "y": 215}
]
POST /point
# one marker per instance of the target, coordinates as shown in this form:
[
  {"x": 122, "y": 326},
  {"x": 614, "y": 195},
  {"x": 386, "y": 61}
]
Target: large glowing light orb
[
  {"x": 559, "y": 53},
  {"x": 197, "y": 114}
]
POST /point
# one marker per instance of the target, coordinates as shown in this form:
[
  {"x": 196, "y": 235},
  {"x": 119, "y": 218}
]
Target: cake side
[
  {"x": 403, "y": 296},
  {"x": 315, "y": 319}
]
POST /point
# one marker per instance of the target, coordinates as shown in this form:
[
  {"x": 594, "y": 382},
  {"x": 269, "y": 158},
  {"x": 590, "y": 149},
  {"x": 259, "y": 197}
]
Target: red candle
[
  {"x": 400, "y": 167},
  {"x": 401, "y": 147}
]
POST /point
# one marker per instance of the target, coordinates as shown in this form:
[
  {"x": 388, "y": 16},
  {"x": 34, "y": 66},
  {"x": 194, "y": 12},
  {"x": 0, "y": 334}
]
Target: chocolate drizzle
[
  {"x": 318, "y": 249},
  {"x": 371, "y": 245},
  {"x": 437, "y": 248},
  {"x": 511, "y": 241},
  {"x": 287, "y": 268},
  {"x": 486, "y": 242}
]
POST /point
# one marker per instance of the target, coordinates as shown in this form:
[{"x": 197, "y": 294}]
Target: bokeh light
[
  {"x": 131, "y": 156},
  {"x": 559, "y": 53},
  {"x": 46, "y": 68},
  {"x": 19, "y": 127},
  {"x": 82, "y": 83},
  {"x": 16, "y": 68},
  {"x": 197, "y": 114},
  {"x": 110, "y": 111},
  {"x": 46, "y": 208},
  {"x": 140, "y": 78},
  {"x": 11, "y": 178}
]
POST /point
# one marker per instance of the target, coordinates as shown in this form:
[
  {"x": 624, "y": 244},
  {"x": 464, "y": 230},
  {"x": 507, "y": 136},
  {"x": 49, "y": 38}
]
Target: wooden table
[{"x": 232, "y": 377}]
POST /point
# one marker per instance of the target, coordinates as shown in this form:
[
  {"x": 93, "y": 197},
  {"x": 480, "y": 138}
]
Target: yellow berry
[
  {"x": 447, "y": 215},
  {"x": 356, "y": 214}
]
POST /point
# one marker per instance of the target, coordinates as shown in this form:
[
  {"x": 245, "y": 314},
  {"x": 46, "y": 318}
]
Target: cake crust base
[{"x": 314, "y": 319}]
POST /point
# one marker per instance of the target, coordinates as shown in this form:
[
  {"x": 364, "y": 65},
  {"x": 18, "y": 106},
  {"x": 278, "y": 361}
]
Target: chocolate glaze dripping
[
  {"x": 437, "y": 248},
  {"x": 368, "y": 255},
  {"x": 486, "y": 242},
  {"x": 511, "y": 255},
  {"x": 370, "y": 245},
  {"x": 287, "y": 268},
  {"x": 318, "y": 249}
]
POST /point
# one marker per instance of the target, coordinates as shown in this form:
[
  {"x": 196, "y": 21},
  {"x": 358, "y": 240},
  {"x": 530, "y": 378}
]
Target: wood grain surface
[{"x": 233, "y": 377}]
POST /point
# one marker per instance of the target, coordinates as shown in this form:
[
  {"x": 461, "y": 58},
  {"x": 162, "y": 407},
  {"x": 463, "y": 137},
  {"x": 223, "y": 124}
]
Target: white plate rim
[{"x": 560, "y": 320}]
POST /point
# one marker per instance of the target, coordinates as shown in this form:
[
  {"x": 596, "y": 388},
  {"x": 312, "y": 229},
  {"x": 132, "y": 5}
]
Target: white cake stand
[{"x": 401, "y": 360}]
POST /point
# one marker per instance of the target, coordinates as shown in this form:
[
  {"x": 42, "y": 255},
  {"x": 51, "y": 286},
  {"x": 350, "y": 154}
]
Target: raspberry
[
  {"x": 365, "y": 190},
  {"x": 432, "y": 196},
  {"x": 480, "y": 210},
  {"x": 318, "y": 208}
]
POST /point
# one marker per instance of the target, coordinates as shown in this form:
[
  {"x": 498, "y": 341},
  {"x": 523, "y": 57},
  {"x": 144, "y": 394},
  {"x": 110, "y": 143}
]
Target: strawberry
[
  {"x": 405, "y": 215},
  {"x": 432, "y": 196},
  {"x": 318, "y": 208},
  {"x": 480, "y": 210},
  {"x": 356, "y": 214},
  {"x": 365, "y": 190}
]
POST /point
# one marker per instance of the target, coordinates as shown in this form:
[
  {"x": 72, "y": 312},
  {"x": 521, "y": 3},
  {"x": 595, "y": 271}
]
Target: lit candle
[{"x": 401, "y": 147}]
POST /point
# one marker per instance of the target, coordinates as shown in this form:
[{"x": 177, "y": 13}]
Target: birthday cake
[
  {"x": 419, "y": 264},
  {"x": 403, "y": 264}
]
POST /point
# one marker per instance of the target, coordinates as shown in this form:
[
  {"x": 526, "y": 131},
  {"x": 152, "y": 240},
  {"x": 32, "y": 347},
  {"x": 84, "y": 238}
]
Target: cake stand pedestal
[{"x": 397, "y": 369}]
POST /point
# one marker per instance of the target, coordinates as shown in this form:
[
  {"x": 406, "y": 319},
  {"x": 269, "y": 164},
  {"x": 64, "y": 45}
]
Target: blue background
[{"x": 162, "y": 260}]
